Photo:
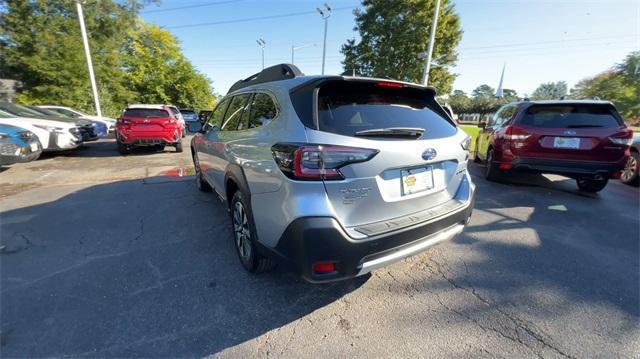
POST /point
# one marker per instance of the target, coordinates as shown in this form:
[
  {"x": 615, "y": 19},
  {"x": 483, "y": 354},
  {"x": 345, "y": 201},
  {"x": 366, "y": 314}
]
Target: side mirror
[{"x": 482, "y": 125}]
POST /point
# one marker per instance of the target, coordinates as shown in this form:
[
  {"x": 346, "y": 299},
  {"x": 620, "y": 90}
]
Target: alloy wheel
[
  {"x": 630, "y": 169},
  {"x": 242, "y": 234}
]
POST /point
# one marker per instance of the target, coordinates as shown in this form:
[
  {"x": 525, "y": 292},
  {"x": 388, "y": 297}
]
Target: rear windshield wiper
[
  {"x": 583, "y": 126},
  {"x": 412, "y": 132}
]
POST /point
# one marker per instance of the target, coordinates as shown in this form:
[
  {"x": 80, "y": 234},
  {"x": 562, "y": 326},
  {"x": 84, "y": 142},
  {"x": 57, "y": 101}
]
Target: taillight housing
[
  {"x": 315, "y": 162},
  {"x": 514, "y": 133},
  {"x": 624, "y": 138},
  {"x": 124, "y": 121},
  {"x": 466, "y": 143}
]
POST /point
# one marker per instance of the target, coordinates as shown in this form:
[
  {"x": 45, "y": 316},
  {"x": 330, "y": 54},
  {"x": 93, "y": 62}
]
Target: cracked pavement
[{"x": 106, "y": 256}]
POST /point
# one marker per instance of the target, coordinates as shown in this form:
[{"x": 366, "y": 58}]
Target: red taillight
[
  {"x": 317, "y": 162},
  {"x": 123, "y": 121},
  {"x": 624, "y": 137},
  {"x": 514, "y": 133},
  {"x": 388, "y": 84},
  {"x": 324, "y": 267},
  {"x": 506, "y": 166}
]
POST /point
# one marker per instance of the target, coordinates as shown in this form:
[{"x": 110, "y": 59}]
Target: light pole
[
  {"x": 87, "y": 53},
  {"x": 294, "y": 48},
  {"x": 326, "y": 14},
  {"x": 434, "y": 25},
  {"x": 262, "y": 45}
]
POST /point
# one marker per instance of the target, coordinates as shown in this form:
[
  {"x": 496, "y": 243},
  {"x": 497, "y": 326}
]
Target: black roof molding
[{"x": 273, "y": 73}]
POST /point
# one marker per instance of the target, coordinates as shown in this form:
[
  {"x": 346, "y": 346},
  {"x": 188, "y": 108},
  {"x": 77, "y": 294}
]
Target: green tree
[
  {"x": 394, "y": 33},
  {"x": 509, "y": 95},
  {"x": 159, "y": 73},
  {"x": 620, "y": 85},
  {"x": 45, "y": 52},
  {"x": 459, "y": 102},
  {"x": 550, "y": 91}
]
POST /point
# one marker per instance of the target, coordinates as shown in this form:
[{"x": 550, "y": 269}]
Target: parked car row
[{"x": 53, "y": 130}]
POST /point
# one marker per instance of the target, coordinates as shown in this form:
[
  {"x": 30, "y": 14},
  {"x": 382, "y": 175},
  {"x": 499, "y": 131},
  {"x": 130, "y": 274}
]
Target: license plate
[
  {"x": 34, "y": 147},
  {"x": 416, "y": 180},
  {"x": 566, "y": 142}
]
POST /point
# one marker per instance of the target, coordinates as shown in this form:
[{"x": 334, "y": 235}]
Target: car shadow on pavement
[{"x": 137, "y": 268}]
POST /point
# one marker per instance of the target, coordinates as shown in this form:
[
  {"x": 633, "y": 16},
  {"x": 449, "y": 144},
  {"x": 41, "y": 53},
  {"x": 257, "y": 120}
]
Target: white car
[
  {"x": 174, "y": 111},
  {"x": 73, "y": 113},
  {"x": 53, "y": 135}
]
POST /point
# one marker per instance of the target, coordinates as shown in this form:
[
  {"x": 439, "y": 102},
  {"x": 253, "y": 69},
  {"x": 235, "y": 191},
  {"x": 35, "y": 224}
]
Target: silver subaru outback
[{"x": 335, "y": 176}]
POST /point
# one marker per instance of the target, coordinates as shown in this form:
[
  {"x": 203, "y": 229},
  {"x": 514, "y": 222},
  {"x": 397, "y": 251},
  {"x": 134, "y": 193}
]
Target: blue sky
[{"x": 538, "y": 40}]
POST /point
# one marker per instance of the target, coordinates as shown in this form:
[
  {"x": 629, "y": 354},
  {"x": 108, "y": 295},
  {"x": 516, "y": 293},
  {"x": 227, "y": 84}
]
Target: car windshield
[
  {"x": 145, "y": 112},
  {"x": 18, "y": 110},
  {"x": 570, "y": 116},
  {"x": 368, "y": 109}
]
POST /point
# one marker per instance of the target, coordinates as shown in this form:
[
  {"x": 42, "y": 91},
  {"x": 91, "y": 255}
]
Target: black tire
[
  {"x": 123, "y": 149},
  {"x": 178, "y": 146},
  {"x": 492, "y": 172},
  {"x": 630, "y": 174},
  {"x": 184, "y": 131},
  {"x": 244, "y": 237},
  {"x": 591, "y": 185},
  {"x": 200, "y": 182}
]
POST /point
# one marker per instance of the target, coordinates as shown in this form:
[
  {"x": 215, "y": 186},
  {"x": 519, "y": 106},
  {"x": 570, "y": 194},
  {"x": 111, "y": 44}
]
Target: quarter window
[
  {"x": 263, "y": 110},
  {"x": 236, "y": 112}
]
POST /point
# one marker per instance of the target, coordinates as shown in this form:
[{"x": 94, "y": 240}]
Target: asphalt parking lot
[{"x": 110, "y": 256}]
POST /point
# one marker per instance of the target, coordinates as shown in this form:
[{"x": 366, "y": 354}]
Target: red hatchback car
[
  {"x": 584, "y": 140},
  {"x": 148, "y": 125}
]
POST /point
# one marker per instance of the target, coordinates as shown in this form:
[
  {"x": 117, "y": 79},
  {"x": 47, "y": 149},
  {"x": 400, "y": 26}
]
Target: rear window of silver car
[
  {"x": 570, "y": 116},
  {"x": 347, "y": 108}
]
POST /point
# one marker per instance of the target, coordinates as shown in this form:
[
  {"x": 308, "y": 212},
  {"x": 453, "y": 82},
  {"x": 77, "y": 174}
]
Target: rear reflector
[
  {"x": 617, "y": 174},
  {"x": 324, "y": 267},
  {"x": 506, "y": 166}
]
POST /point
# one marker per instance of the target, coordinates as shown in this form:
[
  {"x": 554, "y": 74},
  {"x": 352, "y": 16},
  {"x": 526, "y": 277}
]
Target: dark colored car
[
  {"x": 584, "y": 140},
  {"x": 204, "y": 115},
  {"x": 189, "y": 115},
  {"x": 631, "y": 175},
  {"x": 148, "y": 125},
  {"x": 18, "y": 145}
]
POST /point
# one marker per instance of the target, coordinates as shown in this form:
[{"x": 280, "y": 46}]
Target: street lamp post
[
  {"x": 87, "y": 53},
  {"x": 432, "y": 38},
  {"x": 294, "y": 48},
  {"x": 262, "y": 45},
  {"x": 326, "y": 14}
]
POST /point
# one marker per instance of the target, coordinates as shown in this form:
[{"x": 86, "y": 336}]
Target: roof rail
[{"x": 273, "y": 73}]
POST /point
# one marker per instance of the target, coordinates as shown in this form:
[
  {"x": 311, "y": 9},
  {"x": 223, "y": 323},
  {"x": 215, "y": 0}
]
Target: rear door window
[
  {"x": 262, "y": 110},
  {"x": 570, "y": 116},
  {"x": 233, "y": 120},
  {"x": 347, "y": 108},
  {"x": 215, "y": 118},
  {"x": 145, "y": 113}
]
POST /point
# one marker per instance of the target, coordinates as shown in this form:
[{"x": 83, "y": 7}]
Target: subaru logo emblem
[
  {"x": 429, "y": 154},
  {"x": 570, "y": 132}
]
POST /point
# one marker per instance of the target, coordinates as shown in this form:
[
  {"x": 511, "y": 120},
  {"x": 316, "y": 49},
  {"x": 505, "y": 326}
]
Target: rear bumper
[
  {"x": 311, "y": 240},
  {"x": 569, "y": 168},
  {"x": 148, "y": 138}
]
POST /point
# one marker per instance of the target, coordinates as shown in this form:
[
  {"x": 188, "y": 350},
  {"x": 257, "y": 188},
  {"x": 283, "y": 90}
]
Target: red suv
[
  {"x": 148, "y": 125},
  {"x": 584, "y": 140}
]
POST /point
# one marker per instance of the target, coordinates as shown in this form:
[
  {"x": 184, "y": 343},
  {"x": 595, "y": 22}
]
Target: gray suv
[{"x": 334, "y": 175}]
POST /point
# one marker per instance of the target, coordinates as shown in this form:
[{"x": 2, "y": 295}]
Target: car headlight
[
  {"x": 3, "y": 135},
  {"x": 50, "y": 128}
]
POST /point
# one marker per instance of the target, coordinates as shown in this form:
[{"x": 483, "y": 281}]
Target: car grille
[
  {"x": 88, "y": 132},
  {"x": 8, "y": 148}
]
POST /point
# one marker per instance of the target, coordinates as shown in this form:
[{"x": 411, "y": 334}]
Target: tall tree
[
  {"x": 45, "y": 52},
  {"x": 159, "y": 73},
  {"x": 550, "y": 91},
  {"x": 620, "y": 85},
  {"x": 393, "y": 34}
]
